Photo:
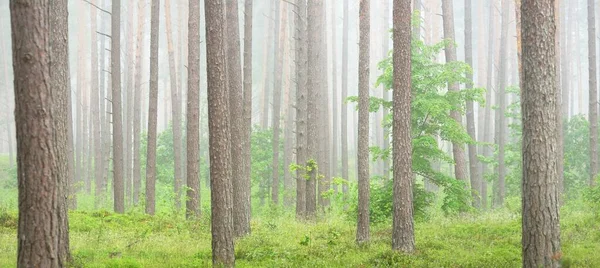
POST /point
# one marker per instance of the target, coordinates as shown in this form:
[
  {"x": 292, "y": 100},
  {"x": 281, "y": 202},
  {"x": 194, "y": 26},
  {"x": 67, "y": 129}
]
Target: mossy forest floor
[{"x": 103, "y": 239}]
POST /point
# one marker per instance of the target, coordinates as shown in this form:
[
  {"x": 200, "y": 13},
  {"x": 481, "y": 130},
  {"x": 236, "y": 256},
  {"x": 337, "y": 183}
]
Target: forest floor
[{"x": 103, "y": 239}]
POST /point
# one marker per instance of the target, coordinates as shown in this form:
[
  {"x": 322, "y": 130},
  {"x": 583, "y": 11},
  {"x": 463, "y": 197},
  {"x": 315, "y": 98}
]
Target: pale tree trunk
[
  {"x": 193, "y": 113},
  {"x": 219, "y": 129},
  {"x": 78, "y": 164},
  {"x": 288, "y": 185},
  {"x": 386, "y": 95},
  {"x": 481, "y": 78},
  {"x": 301, "y": 106},
  {"x": 473, "y": 162},
  {"x": 593, "y": 92},
  {"x": 128, "y": 116},
  {"x": 323, "y": 158},
  {"x": 403, "y": 234},
  {"x": 541, "y": 231},
  {"x": 8, "y": 110},
  {"x": 334, "y": 97},
  {"x": 565, "y": 61},
  {"x": 175, "y": 109},
  {"x": 62, "y": 115},
  {"x": 152, "y": 110},
  {"x": 488, "y": 99},
  {"x": 264, "y": 119},
  {"x": 344, "y": 112},
  {"x": 115, "y": 71},
  {"x": 460, "y": 171},
  {"x": 244, "y": 221},
  {"x": 40, "y": 177},
  {"x": 277, "y": 73},
  {"x": 362, "y": 228},
  {"x": 234, "y": 83},
  {"x": 559, "y": 102},
  {"x": 137, "y": 103},
  {"x": 500, "y": 191},
  {"x": 313, "y": 85},
  {"x": 105, "y": 106}
]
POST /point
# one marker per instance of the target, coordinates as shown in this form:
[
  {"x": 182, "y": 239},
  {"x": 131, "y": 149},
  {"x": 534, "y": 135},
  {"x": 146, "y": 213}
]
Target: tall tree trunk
[
  {"x": 137, "y": 103},
  {"x": 362, "y": 156},
  {"x": 264, "y": 121},
  {"x": 128, "y": 116},
  {"x": 460, "y": 171},
  {"x": 501, "y": 103},
  {"x": 344, "y": 114},
  {"x": 115, "y": 71},
  {"x": 541, "y": 231},
  {"x": 313, "y": 84},
  {"x": 593, "y": 92},
  {"x": 234, "y": 83},
  {"x": 301, "y": 106},
  {"x": 175, "y": 108},
  {"x": 244, "y": 220},
  {"x": 334, "y": 97},
  {"x": 152, "y": 110},
  {"x": 403, "y": 234},
  {"x": 559, "y": 102},
  {"x": 323, "y": 158},
  {"x": 79, "y": 123},
  {"x": 473, "y": 162},
  {"x": 488, "y": 98},
  {"x": 278, "y": 30},
  {"x": 219, "y": 131},
  {"x": 386, "y": 94},
  {"x": 193, "y": 113}
]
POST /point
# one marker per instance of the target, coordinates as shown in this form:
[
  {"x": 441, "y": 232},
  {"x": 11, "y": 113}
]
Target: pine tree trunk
[
  {"x": 460, "y": 170},
  {"x": 219, "y": 131},
  {"x": 152, "y": 110},
  {"x": 264, "y": 121},
  {"x": 593, "y": 92},
  {"x": 137, "y": 103},
  {"x": 344, "y": 112},
  {"x": 403, "y": 234},
  {"x": 301, "y": 106},
  {"x": 362, "y": 229},
  {"x": 115, "y": 70},
  {"x": 323, "y": 158},
  {"x": 334, "y": 98},
  {"x": 279, "y": 28},
  {"x": 500, "y": 190},
  {"x": 386, "y": 94},
  {"x": 244, "y": 221},
  {"x": 541, "y": 231},
  {"x": 193, "y": 113},
  {"x": 128, "y": 108}
]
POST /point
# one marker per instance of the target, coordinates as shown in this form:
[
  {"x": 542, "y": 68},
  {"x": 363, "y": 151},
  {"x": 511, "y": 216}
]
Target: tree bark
[
  {"x": 335, "y": 170},
  {"x": 362, "y": 229},
  {"x": 193, "y": 112},
  {"x": 137, "y": 103},
  {"x": 128, "y": 107},
  {"x": 500, "y": 191},
  {"x": 403, "y": 234},
  {"x": 460, "y": 171},
  {"x": 540, "y": 221},
  {"x": 117, "y": 122},
  {"x": 152, "y": 109},
  {"x": 278, "y": 30},
  {"x": 593, "y": 92},
  {"x": 264, "y": 121},
  {"x": 301, "y": 106},
  {"x": 324, "y": 157},
  {"x": 219, "y": 132},
  {"x": 244, "y": 220},
  {"x": 386, "y": 93},
  {"x": 344, "y": 114}
]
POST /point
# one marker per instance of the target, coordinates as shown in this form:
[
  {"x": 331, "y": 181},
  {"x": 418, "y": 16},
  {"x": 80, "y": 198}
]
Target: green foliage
[
  {"x": 577, "y": 156},
  {"x": 262, "y": 161}
]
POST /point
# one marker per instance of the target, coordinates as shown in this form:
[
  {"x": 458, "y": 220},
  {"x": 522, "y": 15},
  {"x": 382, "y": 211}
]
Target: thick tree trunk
[
  {"x": 460, "y": 167},
  {"x": 219, "y": 131},
  {"x": 234, "y": 83},
  {"x": 278, "y": 30},
  {"x": 593, "y": 92},
  {"x": 541, "y": 231},
  {"x": 244, "y": 220},
  {"x": 193, "y": 113},
  {"x": 137, "y": 103},
  {"x": 362, "y": 156},
  {"x": 152, "y": 110},
  {"x": 403, "y": 234},
  {"x": 301, "y": 106},
  {"x": 473, "y": 162}
]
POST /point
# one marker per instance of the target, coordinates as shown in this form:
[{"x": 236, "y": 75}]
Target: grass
[{"x": 103, "y": 239}]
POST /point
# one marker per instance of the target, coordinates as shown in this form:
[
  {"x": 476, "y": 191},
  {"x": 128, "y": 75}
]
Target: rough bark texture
[
  {"x": 234, "y": 83},
  {"x": 219, "y": 135},
  {"x": 473, "y": 162},
  {"x": 193, "y": 113},
  {"x": 152, "y": 110},
  {"x": 313, "y": 86},
  {"x": 540, "y": 221},
  {"x": 362, "y": 228},
  {"x": 137, "y": 104},
  {"x": 277, "y": 73},
  {"x": 559, "y": 102},
  {"x": 301, "y": 104},
  {"x": 37, "y": 151},
  {"x": 593, "y": 91},
  {"x": 460, "y": 167},
  {"x": 175, "y": 109},
  {"x": 244, "y": 221},
  {"x": 403, "y": 234},
  {"x": 117, "y": 120},
  {"x": 344, "y": 119}
]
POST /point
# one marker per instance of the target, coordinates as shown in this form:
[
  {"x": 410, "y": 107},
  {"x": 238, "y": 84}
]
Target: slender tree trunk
[
  {"x": 403, "y": 234},
  {"x": 323, "y": 158},
  {"x": 473, "y": 162},
  {"x": 193, "y": 112},
  {"x": 137, "y": 103},
  {"x": 278, "y": 30},
  {"x": 501, "y": 100},
  {"x": 218, "y": 122},
  {"x": 264, "y": 122},
  {"x": 541, "y": 231},
  {"x": 105, "y": 108},
  {"x": 460, "y": 171},
  {"x": 334, "y": 97},
  {"x": 244, "y": 220},
  {"x": 488, "y": 98},
  {"x": 301, "y": 106},
  {"x": 128, "y": 117},
  {"x": 344, "y": 119},
  {"x": 313, "y": 84},
  {"x": 362, "y": 229},
  {"x": 152, "y": 109},
  {"x": 593, "y": 92},
  {"x": 386, "y": 95}
]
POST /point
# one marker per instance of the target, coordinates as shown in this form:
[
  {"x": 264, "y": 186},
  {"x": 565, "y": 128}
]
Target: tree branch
[
  {"x": 97, "y": 7},
  {"x": 103, "y": 34}
]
